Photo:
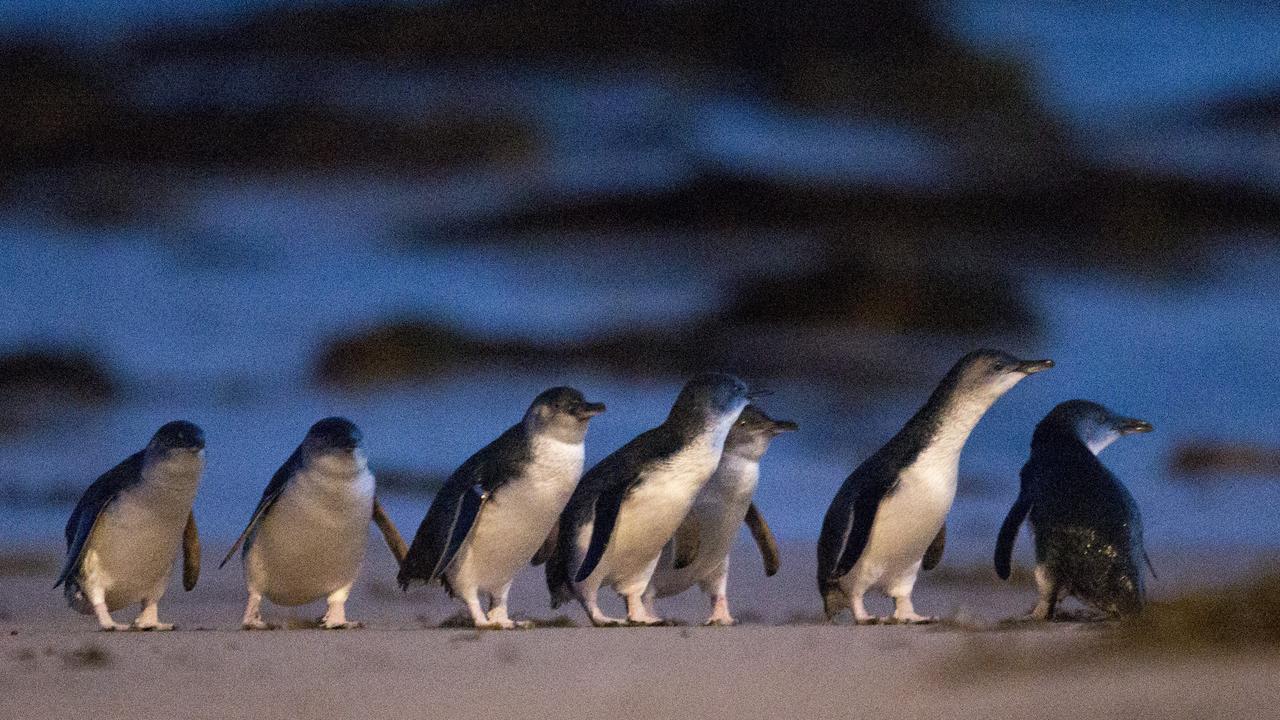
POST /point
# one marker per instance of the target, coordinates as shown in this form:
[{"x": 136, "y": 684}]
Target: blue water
[
  {"x": 216, "y": 315},
  {"x": 230, "y": 346}
]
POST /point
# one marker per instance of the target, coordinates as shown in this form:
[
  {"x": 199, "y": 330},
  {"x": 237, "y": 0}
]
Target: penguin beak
[
  {"x": 1031, "y": 367},
  {"x": 587, "y": 410},
  {"x": 783, "y": 426},
  {"x": 1129, "y": 426}
]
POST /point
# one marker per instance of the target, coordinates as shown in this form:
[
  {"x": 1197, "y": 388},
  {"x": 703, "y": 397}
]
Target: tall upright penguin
[
  {"x": 1088, "y": 531},
  {"x": 888, "y": 519},
  {"x": 124, "y": 534},
  {"x": 306, "y": 538},
  {"x": 629, "y": 505},
  {"x": 501, "y": 505},
  {"x": 699, "y": 552}
]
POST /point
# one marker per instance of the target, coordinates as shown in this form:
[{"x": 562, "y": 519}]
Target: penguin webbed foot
[
  {"x": 152, "y": 627},
  {"x": 508, "y": 625},
  {"x": 912, "y": 619},
  {"x": 258, "y": 625},
  {"x": 114, "y": 627},
  {"x": 342, "y": 625},
  {"x": 650, "y": 622},
  {"x": 720, "y": 622}
]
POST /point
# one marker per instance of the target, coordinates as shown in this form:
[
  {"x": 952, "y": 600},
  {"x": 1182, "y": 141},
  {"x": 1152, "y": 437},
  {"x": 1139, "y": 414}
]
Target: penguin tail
[
  {"x": 407, "y": 577},
  {"x": 76, "y": 599},
  {"x": 558, "y": 579},
  {"x": 834, "y": 600}
]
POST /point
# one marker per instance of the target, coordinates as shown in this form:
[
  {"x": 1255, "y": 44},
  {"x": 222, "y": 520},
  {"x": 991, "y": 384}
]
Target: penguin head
[
  {"x": 334, "y": 434},
  {"x": 562, "y": 411},
  {"x": 709, "y": 398},
  {"x": 178, "y": 435},
  {"x": 753, "y": 431},
  {"x": 990, "y": 373},
  {"x": 1090, "y": 423}
]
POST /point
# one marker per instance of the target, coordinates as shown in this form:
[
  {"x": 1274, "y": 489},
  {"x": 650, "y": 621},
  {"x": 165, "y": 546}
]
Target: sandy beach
[{"x": 780, "y": 662}]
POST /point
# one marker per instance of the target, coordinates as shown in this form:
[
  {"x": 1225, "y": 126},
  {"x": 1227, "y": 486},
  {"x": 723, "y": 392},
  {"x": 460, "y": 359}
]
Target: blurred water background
[{"x": 253, "y": 214}]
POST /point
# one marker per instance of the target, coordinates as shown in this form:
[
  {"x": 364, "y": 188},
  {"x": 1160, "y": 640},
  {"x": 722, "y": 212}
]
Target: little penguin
[
  {"x": 888, "y": 519},
  {"x": 1088, "y": 531},
  {"x": 497, "y": 509},
  {"x": 306, "y": 538},
  {"x": 699, "y": 552},
  {"x": 629, "y": 505},
  {"x": 124, "y": 534}
]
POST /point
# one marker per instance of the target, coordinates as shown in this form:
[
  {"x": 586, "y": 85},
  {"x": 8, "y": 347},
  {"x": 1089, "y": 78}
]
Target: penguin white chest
[
  {"x": 518, "y": 516},
  {"x": 654, "y": 509},
  {"x": 717, "y": 513},
  {"x": 908, "y": 519},
  {"x": 313, "y": 539},
  {"x": 135, "y": 542}
]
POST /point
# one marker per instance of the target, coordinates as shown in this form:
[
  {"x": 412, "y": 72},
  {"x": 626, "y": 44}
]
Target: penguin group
[{"x": 654, "y": 518}]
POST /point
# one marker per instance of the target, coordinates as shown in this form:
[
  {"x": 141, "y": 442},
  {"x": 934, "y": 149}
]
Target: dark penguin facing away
[
  {"x": 501, "y": 505},
  {"x": 887, "y": 521},
  {"x": 1088, "y": 531}
]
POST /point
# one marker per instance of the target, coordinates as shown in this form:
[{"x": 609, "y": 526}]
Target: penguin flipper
[
  {"x": 270, "y": 495},
  {"x": 763, "y": 536},
  {"x": 606, "y": 516},
  {"x": 190, "y": 554},
  {"x": 1009, "y": 534},
  {"x": 96, "y": 498},
  {"x": 446, "y": 527},
  {"x": 548, "y": 546},
  {"x": 686, "y": 543},
  {"x": 857, "y": 527},
  {"x": 389, "y": 532},
  {"x": 933, "y": 554}
]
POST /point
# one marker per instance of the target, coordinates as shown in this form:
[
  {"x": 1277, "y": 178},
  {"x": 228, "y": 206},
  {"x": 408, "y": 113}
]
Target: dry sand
[{"x": 780, "y": 663}]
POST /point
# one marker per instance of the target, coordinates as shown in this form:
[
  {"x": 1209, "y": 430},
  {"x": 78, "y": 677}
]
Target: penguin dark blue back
[{"x": 1087, "y": 527}]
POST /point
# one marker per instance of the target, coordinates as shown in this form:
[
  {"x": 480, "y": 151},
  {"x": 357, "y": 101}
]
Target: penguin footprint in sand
[{"x": 1087, "y": 528}]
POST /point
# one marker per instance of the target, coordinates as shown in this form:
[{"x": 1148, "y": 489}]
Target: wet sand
[{"x": 780, "y": 662}]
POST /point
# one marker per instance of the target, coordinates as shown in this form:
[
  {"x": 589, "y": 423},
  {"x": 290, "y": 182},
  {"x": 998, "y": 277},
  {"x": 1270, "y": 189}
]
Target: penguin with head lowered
[
  {"x": 1088, "y": 531},
  {"x": 629, "y": 505},
  {"x": 699, "y": 552},
  {"x": 500, "y": 506},
  {"x": 306, "y": 538},
  {"x": 124, "y": 534},
  {"x": 888, "y": 519}
]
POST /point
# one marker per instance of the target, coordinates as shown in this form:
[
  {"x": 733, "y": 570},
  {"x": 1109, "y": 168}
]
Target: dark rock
[
  {"x": 882, "y": 57},
  {"x": 400, "y": 350},
  {"x": 858, "y": 293},
  {"x": 42, "y": 386},
  {"x": 1258, "y": 112},
  {"x": 403, "y": 481},
  {"x": 54, "y": 376},
  {"x": 1199, "y": 458}
]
